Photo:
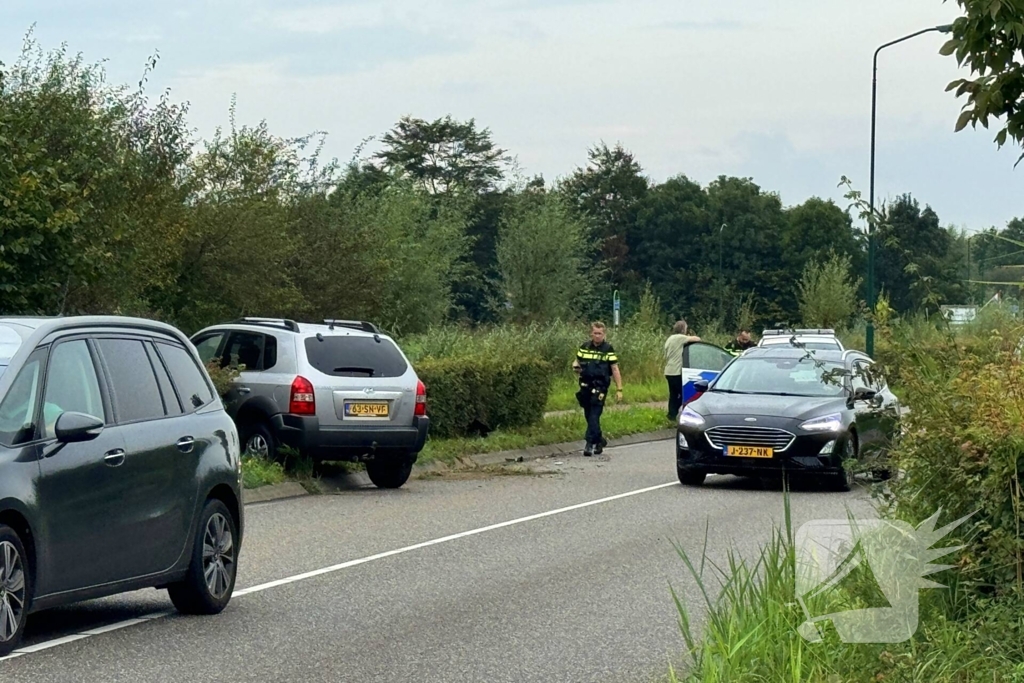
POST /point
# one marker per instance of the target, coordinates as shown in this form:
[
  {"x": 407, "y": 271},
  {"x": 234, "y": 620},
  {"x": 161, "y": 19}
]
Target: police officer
[
  {"x": 596, "y": 364},
  {"x": 740, "y": 343}
]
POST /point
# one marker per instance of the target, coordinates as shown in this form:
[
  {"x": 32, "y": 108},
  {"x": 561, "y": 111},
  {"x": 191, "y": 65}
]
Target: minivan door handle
[
  {"x": 186, "y": 444},
  {"x": 114, "y": 458},
  {"x": 244, "y": 390}
]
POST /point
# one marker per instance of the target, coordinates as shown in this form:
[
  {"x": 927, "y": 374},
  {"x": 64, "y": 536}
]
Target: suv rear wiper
[{"x": 346, "y": 368}]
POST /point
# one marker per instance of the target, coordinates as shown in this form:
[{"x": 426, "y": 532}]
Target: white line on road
[{"x": 46, "y": 645}]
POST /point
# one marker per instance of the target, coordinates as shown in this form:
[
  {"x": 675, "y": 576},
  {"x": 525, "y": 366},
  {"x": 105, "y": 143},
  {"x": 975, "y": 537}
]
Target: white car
[{"x": 815, "y": 339}]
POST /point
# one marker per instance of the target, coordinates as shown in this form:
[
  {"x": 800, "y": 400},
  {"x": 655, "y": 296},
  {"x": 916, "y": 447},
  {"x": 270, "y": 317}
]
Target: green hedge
[{"x": 470, "y": 395}]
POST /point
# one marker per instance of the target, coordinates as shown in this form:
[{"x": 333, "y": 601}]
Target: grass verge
[
  {"x": 258, "y": 472},
  {"x": 557, "y": 429},
  {"x": 751, "y": 629},
  {"x": 563, "y": 393}
]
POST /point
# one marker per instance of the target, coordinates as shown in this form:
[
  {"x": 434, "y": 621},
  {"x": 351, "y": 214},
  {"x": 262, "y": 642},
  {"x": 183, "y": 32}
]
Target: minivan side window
[
  {"x": 72, "y": 385},
  {"x": 18, "y": 408},
  {"x": 136, "y": 394},
  {"x": 187, "y": 377}
]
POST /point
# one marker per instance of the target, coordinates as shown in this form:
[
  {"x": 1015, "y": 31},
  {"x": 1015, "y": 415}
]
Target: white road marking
[{"x": 46, "y": 645}]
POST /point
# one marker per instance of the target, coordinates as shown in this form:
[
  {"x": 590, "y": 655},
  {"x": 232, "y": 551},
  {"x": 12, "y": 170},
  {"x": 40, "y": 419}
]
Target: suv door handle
[
  {"x": 114, "y": 458},
  {"x": 186, "y": 444}
]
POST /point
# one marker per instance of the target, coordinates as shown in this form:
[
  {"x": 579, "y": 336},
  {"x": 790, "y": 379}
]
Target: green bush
[{"x": 478, "y": 394}]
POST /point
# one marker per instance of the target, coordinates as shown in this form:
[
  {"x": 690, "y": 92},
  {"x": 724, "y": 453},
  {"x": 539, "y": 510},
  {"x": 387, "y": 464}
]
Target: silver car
[
  {"x": 812, "y": 339},
  {"x": 340, "y": 390}
]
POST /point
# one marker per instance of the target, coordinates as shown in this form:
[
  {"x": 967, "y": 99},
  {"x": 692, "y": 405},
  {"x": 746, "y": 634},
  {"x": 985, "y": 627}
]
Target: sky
[{"x": 775, "y": 90}]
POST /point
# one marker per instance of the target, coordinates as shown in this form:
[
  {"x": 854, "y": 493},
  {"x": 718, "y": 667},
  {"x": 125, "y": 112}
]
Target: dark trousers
[
  {"x": 593, "y": 414},
  {"x": 675, "y": 395},
  {"x": 592, "y": 406}
]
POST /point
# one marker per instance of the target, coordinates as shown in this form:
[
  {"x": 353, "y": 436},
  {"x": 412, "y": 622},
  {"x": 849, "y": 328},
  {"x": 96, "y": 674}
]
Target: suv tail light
[
  {"x": 421, "y": 398},
  {"x": 303, "y": 400}
]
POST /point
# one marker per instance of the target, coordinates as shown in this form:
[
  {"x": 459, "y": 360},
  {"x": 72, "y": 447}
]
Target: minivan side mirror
[{"x": 77, "y": 427}]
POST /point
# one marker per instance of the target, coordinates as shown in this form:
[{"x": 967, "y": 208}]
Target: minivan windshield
[
  {"x": 782, "y": 377},
  {"x": 10, "y": 342}
]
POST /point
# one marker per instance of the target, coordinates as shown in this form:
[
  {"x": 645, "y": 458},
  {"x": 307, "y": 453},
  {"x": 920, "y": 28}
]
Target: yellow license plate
[
  {"x": 366, "y": 409},
  {"x": 749, "y": 452}
]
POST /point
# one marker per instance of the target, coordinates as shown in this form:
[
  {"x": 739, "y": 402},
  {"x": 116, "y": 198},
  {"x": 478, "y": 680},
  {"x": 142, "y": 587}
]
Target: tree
[
  {"x": 816, "y": 228},
  {"x": 827, "y": 293},
  {"x": 606, "y": 194},
  {"x": 91, "y": 191},
  {"x": 542, "y": 258},
  {"x": 990, "y": 41},
  {"x": 443, "y": 156},
  {"x": 916, "y": 261}
]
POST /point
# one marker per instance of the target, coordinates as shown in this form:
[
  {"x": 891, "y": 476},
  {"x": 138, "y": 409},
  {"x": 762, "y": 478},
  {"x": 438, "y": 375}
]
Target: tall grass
[{"x": 750, "y": 629}]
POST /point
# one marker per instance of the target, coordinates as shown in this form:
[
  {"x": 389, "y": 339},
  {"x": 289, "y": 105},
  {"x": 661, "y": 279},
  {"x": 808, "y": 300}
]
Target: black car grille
[{"x": 778, "y": 439}]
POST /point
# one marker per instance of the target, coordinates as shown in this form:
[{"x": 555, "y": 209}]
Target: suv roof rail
[
  {"x": 352, "y": 324},
  {"x": 284, "y": 323}
]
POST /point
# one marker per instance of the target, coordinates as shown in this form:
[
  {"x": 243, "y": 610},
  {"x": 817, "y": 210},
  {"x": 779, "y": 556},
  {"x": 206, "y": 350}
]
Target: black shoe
[
  {"x": 599, "y": 448},
  {"x": 588, "y": 450}
]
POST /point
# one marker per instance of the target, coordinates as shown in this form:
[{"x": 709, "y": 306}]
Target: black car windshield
[{"x": 782, "y": 376}]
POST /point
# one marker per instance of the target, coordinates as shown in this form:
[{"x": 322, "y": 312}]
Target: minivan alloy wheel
[
  {"x": 12, "y": 590},
  {"x": 218, "y": 555}
]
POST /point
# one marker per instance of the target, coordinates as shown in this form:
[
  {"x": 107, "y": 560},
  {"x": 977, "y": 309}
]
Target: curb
[
  {"x": 552, "y": 450},
  {"x": 291, "y": 489},
  {"x": 264, "y": 494}
]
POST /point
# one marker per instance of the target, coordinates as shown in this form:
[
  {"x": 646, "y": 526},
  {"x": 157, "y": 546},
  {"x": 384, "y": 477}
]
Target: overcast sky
[{"x": 776, "y": 90}]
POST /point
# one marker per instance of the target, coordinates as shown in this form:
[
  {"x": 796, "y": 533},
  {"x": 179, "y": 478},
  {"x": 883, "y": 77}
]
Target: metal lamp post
[
  {"x": 721, "y": 288},
  {"x": 870, "y": 336}
]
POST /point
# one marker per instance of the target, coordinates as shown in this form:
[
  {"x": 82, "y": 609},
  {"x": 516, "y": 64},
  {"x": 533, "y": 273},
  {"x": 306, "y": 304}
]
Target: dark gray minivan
[{"x": 119, "y": 468}]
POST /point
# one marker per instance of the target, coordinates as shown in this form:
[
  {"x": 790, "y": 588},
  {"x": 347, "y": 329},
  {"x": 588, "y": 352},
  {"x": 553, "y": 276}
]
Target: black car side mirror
[
  {"x": 864, "y": 394},
  {"x": 77, "y": 427}
]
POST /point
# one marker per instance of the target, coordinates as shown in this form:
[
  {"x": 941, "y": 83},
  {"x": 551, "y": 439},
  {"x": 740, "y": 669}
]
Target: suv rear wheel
[
  {"x": 389, "y": 474},
  {"x": 258, "y": 441}
]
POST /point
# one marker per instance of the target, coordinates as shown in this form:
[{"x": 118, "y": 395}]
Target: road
[{"x": 558, "y": 577}]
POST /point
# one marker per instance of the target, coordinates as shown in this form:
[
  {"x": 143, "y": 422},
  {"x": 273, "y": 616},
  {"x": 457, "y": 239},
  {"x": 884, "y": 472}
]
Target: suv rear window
[{"x": 355, "y": 357}]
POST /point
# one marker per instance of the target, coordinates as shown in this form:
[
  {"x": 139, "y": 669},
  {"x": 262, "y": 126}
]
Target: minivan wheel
[
  {"x": 211, "y": 574},
  {"x": 15, "y": 588},
  {"x": 258, "y": 441},
  {"x": 389, "y": 474}
]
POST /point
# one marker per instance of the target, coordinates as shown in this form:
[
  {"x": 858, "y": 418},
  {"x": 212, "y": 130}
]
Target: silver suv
[{"x": 341, "y": 390}]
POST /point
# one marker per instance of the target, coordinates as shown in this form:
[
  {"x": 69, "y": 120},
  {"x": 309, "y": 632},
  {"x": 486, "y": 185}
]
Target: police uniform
[
  {"x": 736, "y": 347},
  {"x": 595, "y": 361}
]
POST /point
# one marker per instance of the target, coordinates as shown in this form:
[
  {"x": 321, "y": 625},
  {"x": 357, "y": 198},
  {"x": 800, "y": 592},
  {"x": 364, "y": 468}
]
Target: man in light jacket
[{"x": 674, "y": 365}]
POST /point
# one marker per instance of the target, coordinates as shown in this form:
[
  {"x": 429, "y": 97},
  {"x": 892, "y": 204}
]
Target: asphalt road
[{"x": 507, "y": 578}]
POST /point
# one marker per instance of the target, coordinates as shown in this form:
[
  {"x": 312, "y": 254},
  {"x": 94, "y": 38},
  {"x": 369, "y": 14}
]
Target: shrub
[
  {"x": 478, "y": 394},
  {"x": 963, "y": 447},
  {"x": 828, "y": 295}
]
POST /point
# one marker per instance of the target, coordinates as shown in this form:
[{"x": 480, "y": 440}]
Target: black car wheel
[
  {"x": 211, "y": 575},
  {"x": 842, "y": 479},
  {"x": 691, "y": 476},
  {"x": 15, "y": 589},
  {"x": 258, "y": 441},
  {"x": 389, "y": 474}
]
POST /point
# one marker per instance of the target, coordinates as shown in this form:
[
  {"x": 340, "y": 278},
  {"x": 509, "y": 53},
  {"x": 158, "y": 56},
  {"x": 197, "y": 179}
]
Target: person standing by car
[
  {"x": 741, "y": 343},
  {"x": 674, "y": 345},
  {"x": 596, "y": 364}
]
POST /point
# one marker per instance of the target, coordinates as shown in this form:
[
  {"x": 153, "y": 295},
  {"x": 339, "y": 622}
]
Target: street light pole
[
  {"x": 721, "y": 288},
  {"x": 870, "y": 335}
]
